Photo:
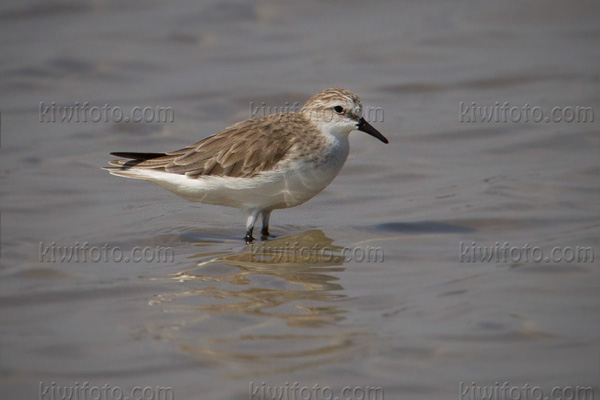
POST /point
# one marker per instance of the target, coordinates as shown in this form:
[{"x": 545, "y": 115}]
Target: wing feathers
[
  {"x": 137, "y": 156},
  {"x": 242, "y": 150}
]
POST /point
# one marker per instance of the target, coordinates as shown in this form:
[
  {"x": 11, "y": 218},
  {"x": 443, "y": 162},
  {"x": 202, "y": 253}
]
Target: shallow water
[{"x": 220, "y": 318}]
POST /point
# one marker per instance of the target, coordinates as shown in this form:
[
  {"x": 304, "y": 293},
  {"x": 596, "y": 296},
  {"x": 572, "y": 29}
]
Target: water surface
[{"x": 220, "y": 316}]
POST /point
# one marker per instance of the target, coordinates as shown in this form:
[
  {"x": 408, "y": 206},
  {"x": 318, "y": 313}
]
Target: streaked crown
[
  {"x": 335, "y": 108},
  {"x": 338, "y": 112}
]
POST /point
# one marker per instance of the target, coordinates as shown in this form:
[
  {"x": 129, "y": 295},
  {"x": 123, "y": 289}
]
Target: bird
[{"x": 261, "y": 164}]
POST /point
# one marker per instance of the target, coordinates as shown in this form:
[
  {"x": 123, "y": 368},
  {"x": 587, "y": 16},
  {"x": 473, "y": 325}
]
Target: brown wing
[{"x": 241, "y": 150}]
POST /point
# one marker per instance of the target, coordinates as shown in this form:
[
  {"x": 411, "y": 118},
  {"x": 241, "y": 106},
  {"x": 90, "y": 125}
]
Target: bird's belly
[
  {"x": 296, "y": 187},
  {"x": 307, "y": 179},
  {"x": 273, "y": 190},
  {"x": 281, "y": 188}
]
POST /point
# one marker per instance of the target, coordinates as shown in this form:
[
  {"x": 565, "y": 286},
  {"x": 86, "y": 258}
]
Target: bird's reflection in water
[{"x": 274, "y": 304}]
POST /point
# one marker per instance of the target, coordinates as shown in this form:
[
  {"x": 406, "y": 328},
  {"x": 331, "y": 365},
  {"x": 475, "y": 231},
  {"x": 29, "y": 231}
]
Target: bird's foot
[{"x": 264, "y": 234}]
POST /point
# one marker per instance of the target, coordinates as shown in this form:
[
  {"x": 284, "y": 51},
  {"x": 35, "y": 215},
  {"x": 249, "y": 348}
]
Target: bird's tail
[{"x": 125, "y": 168}]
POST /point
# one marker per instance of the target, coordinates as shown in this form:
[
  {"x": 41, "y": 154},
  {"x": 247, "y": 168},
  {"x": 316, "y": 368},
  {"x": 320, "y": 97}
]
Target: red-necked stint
[{"x": 261, "y": 164}]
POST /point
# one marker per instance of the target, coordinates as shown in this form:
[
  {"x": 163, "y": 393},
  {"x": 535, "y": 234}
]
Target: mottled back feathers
[{"x": 242, "y": 150}]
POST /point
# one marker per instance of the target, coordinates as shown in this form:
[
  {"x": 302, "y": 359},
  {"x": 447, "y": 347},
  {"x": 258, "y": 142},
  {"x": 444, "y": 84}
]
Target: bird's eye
[{"x": 338, "y": 109}]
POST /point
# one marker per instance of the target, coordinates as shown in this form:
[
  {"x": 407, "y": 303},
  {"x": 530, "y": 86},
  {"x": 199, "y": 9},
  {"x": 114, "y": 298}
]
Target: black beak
[{"x": 365, "y": 127}]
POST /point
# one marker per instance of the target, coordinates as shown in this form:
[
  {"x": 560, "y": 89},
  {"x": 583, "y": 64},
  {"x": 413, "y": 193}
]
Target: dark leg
[
  {"x": 249, "y": 238},
  {"x": 252, "y": 214},
  {"x": 264, "y": 233}
]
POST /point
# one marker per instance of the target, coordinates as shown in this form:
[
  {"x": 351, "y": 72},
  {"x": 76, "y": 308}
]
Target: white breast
[{"x": 289, "y": 185}]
